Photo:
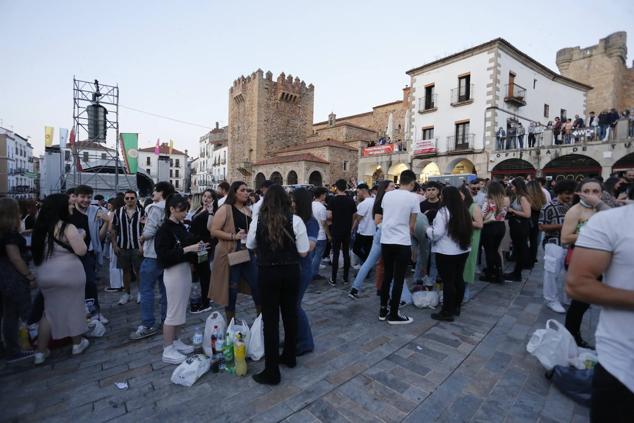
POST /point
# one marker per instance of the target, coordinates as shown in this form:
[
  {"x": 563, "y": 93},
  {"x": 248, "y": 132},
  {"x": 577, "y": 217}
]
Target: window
[
  {"x": 171, "y": 162},
  {"x": 429, "y": 97},
  {"x": 546, "y": 111},
  {"x": 464, "y": 88},
  {"x": 176, "y": 184},
  {"x": 147, "y": 171},
  {"x": 462, "y": 134},
  {"x": 177, "y": 174},
  {"x": 148, "y": 161},
  {"x": 178, "y": 163},
  {"x": 562, "y": 115},
  {"x": 345, "y": 165},
  {"x": 428, "y": 133},
  {"x": 67, "y": 155},
  {"x": 171, "y": 173},
  {"x": 103, "y": 156},
  {"x": 85, "y": 156}
]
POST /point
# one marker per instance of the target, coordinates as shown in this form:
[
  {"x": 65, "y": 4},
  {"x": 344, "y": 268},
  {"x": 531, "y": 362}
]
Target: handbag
[{"x": 238, "y": 257}]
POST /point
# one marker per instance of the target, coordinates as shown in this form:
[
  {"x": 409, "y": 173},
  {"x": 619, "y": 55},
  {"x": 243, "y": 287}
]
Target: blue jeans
[
  {"x": 318, "y": 253},
  {"x": 422, "y": 259},
  {"x": 370, "y": 262},
  {"x": 150, "y": 273},
  {"x": 249, "y": 272},
  {"x": 304, "y": 334}
]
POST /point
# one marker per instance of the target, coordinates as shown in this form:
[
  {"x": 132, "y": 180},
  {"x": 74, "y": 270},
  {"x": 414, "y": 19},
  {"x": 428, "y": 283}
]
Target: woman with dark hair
[
  {"x": 56, "y": 248},
  {"x": 493, "y": 214},
  {"x": 538, "y": 200},
  {"x": 476, "y": 221},
  {"x": 230, "y": 227},
  {"x": 519, "y": 214},
  {"x": 374, "y": 256},
  {"x": 16, "y": 277},
  {"x": 280, "y": 240},
  {"x": 302, "y": 206},
  {"x": 175, "y": 249},
  {"x": 200, "y": 227},
  {"x": 451, "y": 241}
]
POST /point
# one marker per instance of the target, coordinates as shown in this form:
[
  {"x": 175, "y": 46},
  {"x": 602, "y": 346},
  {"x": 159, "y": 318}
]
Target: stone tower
[
  {"x": 602, "y": 66},
  {"x": 266, "y": 115}
]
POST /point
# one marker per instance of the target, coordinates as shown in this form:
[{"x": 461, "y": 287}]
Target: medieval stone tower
[
  {"x": 602, "y": 66},
  {"x": 266, "y": 115}
]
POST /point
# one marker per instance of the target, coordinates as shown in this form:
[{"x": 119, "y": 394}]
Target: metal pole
[{"x": 116, "y": 160}]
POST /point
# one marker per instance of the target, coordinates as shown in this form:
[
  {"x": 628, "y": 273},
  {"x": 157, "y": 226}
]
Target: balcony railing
[
  {"x": 427, "y": 104},
  {"x": 458, "y": 98},
  {"x": 461, "y": 143},
  {"x": 515, "y": 94}
]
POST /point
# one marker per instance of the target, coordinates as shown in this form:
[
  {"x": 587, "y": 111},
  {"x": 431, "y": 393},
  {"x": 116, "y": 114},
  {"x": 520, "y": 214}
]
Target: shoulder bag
[{"x": 239, "y": 256}]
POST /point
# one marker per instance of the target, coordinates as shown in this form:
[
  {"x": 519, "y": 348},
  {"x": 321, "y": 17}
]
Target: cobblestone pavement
[{"x": 475, "y": 369}]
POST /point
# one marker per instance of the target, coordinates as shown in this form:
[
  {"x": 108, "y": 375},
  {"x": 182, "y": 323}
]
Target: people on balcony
[
  {"x": 531, "y": 134},
  {"x": 500, "y": 137},
  {"x": 510, "y": 138},
  {"x": 557, "y": 131},
  {"x": 567, "y": 131},
  {"x": 520, "y": 135}
]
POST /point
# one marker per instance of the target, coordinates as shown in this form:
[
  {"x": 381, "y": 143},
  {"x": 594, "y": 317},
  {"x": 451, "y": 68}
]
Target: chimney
[{"x": 217, "y": 125}]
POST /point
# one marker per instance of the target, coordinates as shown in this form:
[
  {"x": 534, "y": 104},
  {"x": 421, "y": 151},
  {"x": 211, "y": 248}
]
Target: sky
[{"x": 178, "y": 59}]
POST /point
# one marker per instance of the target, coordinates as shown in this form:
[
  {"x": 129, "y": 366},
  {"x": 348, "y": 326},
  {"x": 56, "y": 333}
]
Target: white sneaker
[
  {"x": 555, "y": 306},
  {"x": 41, "y": 357},
  {"x": 138, "y": 298},
  {"x": 102, "y": 319},
  {"x": 81, "y": 347},
  {"x": 172, "y": 356},
  {"x": 125, "y": 297},
  {"x": 356, "y": 267},
  {"x": 322, "y": 266},
  {"x": 183, "y": 348}
]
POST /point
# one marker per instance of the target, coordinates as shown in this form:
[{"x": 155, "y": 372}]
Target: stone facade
[{"x": 604, "y": 67}]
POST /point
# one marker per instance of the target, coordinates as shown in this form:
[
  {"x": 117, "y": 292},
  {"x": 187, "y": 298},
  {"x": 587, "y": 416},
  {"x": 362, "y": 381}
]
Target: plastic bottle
[
  {"x": 240, "y": 352},
  {"x": 197, "y": 339},
  {"x": 23, "y": 338},
  {"x": 214, "y": 339},
  {"x": 228, "y": 355}
]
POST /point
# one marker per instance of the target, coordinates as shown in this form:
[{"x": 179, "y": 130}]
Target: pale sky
[{"x": 178, "y": 59}]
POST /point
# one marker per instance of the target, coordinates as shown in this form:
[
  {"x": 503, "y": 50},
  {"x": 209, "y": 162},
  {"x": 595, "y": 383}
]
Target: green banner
[{"x": 130, "y": 147}]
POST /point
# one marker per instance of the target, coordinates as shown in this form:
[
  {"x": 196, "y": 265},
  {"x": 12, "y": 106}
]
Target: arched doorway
[
  {"x": 315, "y": 179},
  {"x": 259, "y": 180},
  {"x": 276, "y": 178},
  {"x": 624, "y": 163},
  {"x": 395, "y": 171},
  {"x": 513, "y": 167},
  {"x": 572, "y": 166},
  {"x": 460, "y": 166},
  {"x": 431, "y": 169},
  {"x": 291, "y": 178},
  {"x": 378, "y": 175}
]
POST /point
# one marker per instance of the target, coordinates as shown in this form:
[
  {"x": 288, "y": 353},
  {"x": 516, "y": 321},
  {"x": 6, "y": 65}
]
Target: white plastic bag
[
  {"x": 425, "y": 299},
  {"x": 553, "y": 346},
  {"x": 214, "y": 319},
  {"x": 255, "y": 348},
  {"x": 243, "y": 328},
  {"x": 190, "y": 370}
]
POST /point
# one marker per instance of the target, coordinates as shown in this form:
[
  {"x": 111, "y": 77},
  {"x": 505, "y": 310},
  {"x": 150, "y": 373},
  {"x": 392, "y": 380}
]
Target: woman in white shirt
[
  {"x": 279, "y": 238},
  {"x": 451, "y": 241}
]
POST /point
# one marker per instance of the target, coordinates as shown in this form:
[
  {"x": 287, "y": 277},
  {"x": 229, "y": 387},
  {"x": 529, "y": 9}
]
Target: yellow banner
[{"x": 48, "y": 136}]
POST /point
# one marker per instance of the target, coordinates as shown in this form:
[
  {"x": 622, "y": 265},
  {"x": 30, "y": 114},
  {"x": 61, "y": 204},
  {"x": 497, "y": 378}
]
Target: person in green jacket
[{"x": 476, "y": 219}]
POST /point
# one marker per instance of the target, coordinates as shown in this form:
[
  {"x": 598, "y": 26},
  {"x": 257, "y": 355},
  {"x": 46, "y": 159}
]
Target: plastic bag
[
  {"x": 425, "y": 299},
  {"x": 214, "y": 319},
  {"x": 573, "y": 383},
  {"x": 406, "y": 295},
  {"x": 243, "y": 328},
  {"x": 190, "y": 370},
  {"x": 96, "y": 329},
  {"x": 553, "y": 346},
  {"x": 255, "y": 347}
]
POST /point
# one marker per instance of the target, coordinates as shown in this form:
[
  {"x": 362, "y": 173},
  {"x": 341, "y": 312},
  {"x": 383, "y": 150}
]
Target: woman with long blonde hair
[{"x": 538, "y": 200}]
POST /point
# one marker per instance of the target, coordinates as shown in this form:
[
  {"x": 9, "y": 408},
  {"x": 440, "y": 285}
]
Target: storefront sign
[
  {"x": 378, "y": 150},
  {"x": 423, "y": 147}
]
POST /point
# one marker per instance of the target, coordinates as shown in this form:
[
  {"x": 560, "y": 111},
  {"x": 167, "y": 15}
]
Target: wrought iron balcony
[
  {"x": 459, "y": 98},
  {"x": 515, "y": 95},
  {"x": 427, "y": 104},
  {"x": 461, "y": 143}
]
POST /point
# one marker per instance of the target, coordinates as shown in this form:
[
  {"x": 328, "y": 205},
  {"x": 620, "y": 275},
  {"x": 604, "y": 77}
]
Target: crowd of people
[{"x": 271, "y": 244}]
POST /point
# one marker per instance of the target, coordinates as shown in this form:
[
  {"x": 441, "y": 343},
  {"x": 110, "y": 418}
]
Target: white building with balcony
[
  {"x": 459, "y": 102},
  {"x": 17, "y": 178},
  {"x": 149, "y": 163}
]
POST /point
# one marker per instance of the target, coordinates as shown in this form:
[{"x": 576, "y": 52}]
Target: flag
[
  {"x": 157, "y": 147},
  {"x": 71, "y": 139},
  {"x": 171, "y": 146},
  {"x": 63, "y": 136},
  {"x": 130, "y": 147},
  {"x": 48, "y": 136}
]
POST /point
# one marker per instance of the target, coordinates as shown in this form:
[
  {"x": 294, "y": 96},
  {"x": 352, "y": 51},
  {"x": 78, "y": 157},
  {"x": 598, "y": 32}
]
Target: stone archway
[
  {"x": 624, "y": 163},
  {"x": 572, "y": 166},
  {"x": 291, "y": 178},
  {"x": 430, "y": 169},
  {"x": 315, "y": 178},
  {"x": 259, "y": 180},
  {"x": 378, "y": 175},
  {"x": 276, "y": 178},
  {"x": 513, "y": 167},
  {"x": 460, "y": 165}
]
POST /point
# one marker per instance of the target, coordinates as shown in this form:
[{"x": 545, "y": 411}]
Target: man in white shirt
[
  {"x": 400, "y": 208},
  {"x": 363, "y": 223},
  {"x": 321, "y": 215},
  {"x": 606, "y": 248},
  {"x": 223, "y": 190},
  {"x": 264, "y": 188}
]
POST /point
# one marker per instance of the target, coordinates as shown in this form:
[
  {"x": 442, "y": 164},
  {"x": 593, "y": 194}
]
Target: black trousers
[
  {"x": 491, "y": 238},
  {"x": 90, "y": 267},
  {"x": 533, "y": 238},
  {"x": 341, "y": 243},
  {"x": 362, "y": 245},
  {"x": 574, "y": 317},
  {"x": 279, "y": 288},
  {"x": 395, "y": 260},
  {"x": 451, "y": 269},
  {"x": 531, "y": 140},
  {"x": 204, "y": 276},
  {"x": 519, "y": 229},
  {"x": 611, "y": 400}
]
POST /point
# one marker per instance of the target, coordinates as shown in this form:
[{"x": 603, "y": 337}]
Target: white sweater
[{"x": 439, "y": 235}]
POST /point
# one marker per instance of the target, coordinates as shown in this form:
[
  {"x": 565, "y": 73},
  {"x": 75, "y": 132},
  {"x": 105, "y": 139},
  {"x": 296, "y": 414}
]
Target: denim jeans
[
  {"x": 249, "y": 272},
  {"x": 430, "y": 280},
  {"x": 91, "y": 293},
  {"x": 305, "y": 341},
  {"x": 422, "y": 258},
  {"x": 150, "y": 273},
  {"x": 370, "y": 262},
  {"x": 317, "y": 256}
]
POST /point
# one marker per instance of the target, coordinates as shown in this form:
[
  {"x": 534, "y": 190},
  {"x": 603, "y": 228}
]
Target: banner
[
  {"x": 424, "y": 147},
  {"x": 63, "y": 136},
  {"x": 130, "y": 150},
  {"x": 48, "y": 136},
  {"x": 378, "y": 150}
]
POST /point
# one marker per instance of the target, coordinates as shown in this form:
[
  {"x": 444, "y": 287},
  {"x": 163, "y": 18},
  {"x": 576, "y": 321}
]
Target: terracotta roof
[
  {"x": 391, "y": 103},
  {"x": 164, "y": 149},
  {"x": 90, "y": 145},
  {"x": 501, "y": 42},
  {"x": 304, "y": 157},
  {"x": 317, "y": 144}
]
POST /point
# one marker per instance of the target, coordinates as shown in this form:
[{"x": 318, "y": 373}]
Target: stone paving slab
[{"x": 473, "y": 370}]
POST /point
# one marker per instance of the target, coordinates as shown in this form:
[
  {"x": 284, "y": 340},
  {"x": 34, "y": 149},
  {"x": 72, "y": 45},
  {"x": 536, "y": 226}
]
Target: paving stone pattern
[{"x": 473, "y": 370}]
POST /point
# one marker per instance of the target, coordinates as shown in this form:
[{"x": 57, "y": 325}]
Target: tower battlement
[{"x": 614, "y": 45}]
